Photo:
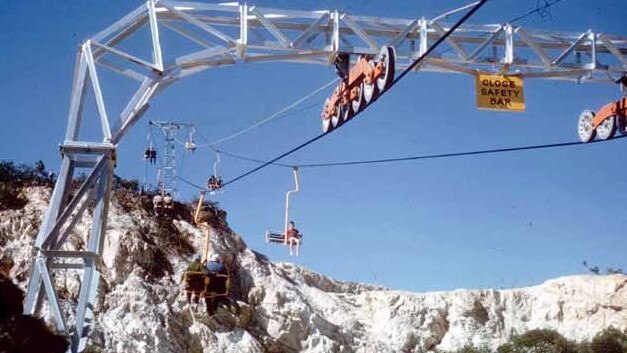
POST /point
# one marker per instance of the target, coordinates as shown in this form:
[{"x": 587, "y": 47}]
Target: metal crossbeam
[
  {"x": 317, "y": 36},
  {"x": 214, "y": 35}
]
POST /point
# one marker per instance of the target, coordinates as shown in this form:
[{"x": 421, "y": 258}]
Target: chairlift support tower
[
  {"x": 168, "y": 181},
  {"x": 228, "y": 34}
]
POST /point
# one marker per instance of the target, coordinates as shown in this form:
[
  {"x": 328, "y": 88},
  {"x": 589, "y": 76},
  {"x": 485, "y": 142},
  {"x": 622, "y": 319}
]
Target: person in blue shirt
[{"x": 214, "y": 265}]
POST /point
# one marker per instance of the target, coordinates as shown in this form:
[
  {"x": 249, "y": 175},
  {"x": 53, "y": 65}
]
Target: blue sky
[{"x": 485, "y": 221}]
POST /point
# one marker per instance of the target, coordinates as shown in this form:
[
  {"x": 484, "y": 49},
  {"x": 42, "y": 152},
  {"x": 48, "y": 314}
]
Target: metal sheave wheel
[
  {"x": 326, "y": 125},
  {"x": 388, "y": 56},
  {"x": 336, "y": 118},
  {"x": 326, "y": 122},
  {"x": 370, "y": 90},
  {"x": 607, "y": 128},
  {"x": 359, "y": 102},
  {"x": 621, "y": 124},
  {"x": 584, "y": 128},
  {"x": 347, "y": 112}
]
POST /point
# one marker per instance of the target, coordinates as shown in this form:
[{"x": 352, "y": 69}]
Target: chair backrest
[
  {"x": 275, "y": 237},
  {"x": 218, "y": 284},
  {"x": 195, "y": 281}
]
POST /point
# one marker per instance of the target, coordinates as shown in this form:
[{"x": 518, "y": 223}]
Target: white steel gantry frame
[{"x": 226, "y": 34}]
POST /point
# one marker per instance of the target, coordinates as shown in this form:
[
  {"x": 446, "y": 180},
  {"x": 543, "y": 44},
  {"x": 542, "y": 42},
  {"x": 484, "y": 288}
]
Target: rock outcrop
[{"x": 287, "y": 308}]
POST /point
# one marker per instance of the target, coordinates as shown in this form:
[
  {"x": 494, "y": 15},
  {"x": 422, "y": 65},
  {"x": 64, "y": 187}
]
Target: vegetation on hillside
[
  {"x": 610, "y": 340},
  {"x": 14, "y": 178}
]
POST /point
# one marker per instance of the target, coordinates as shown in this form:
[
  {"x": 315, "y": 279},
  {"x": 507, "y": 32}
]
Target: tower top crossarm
[
  {"x": 226, "y": 34},
  {"x": 166, "y": 124}
]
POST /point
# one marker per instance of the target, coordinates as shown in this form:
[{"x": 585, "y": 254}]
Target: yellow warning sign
[{"x": 500, "y": 92}]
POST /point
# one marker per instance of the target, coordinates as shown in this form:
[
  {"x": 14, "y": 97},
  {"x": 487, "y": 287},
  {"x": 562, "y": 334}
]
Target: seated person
[
  {"x": 292, "y": 232},
  {"x": 215, "y": 266},
  {"x": 152, "y": 155},
  {"x": 194, "y": 266},
  {"x": 214, "y": 182},
  {"x": 157, "y": 204},
  {"x": 168, "y": 202},
  {"x": 190, "y": 145},
  {"x": 293, "y": 237}
]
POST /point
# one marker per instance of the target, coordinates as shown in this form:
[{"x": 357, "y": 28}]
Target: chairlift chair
[
  {"x": 190, "y": 145},
  {"x": 215, "y": 181},
  {"x": 206, "y": 284},
  {"x": 273, "y": 237},
  {"x": 157, "y": 205}
]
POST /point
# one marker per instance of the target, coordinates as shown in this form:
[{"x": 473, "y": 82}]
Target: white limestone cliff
[{"x": 287, "y": 308}]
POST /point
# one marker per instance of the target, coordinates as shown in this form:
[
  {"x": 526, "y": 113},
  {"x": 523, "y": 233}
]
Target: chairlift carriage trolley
[
  {"x": 273, "y": 237},
  {"x": 611, "y": 117},
  {"x": 360, "y": 86}
]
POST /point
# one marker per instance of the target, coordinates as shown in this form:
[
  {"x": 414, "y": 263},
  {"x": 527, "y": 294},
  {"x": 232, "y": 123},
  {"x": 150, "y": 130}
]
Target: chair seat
[
  {"x": 207, "y": 284},
  {"x": 218, "y": 285},
  {"x": 195, "y": 281},
  {"x": 276, "y": 238}
]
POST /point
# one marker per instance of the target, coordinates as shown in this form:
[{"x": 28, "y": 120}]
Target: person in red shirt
[{"x": 293, "y": 237}]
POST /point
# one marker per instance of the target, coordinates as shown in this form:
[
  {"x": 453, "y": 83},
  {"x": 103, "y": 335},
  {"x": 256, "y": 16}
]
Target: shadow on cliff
[{"x": 23, "y": 333}]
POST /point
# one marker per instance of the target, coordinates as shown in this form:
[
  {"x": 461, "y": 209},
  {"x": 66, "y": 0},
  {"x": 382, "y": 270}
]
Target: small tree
[
  {"x": 471, "y": 349},
  {"x": 610, "y": 340},
  {"x": 539, "y": 341}
]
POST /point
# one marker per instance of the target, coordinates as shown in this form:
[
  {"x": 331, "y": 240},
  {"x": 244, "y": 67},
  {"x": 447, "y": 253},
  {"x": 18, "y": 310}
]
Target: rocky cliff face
[{"x": 286, "y": 308}]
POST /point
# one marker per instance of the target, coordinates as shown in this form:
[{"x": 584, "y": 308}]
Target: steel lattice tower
[{"x": 168, "y": 180}]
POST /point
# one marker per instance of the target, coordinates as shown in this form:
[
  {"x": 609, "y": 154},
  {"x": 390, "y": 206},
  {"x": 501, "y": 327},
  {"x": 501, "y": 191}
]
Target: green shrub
[
  {"x": 25, "y": 175},
  {"x": 13, "y": 178},
  {"x": 472, "y": 349},
  {"x": 11, "y": 197},
  {"x": 131, "y": 185},
  {"x": 539, "y": 341},
  {"x": 609, "y": 341},
  {"x": 90, "y": 348}
]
